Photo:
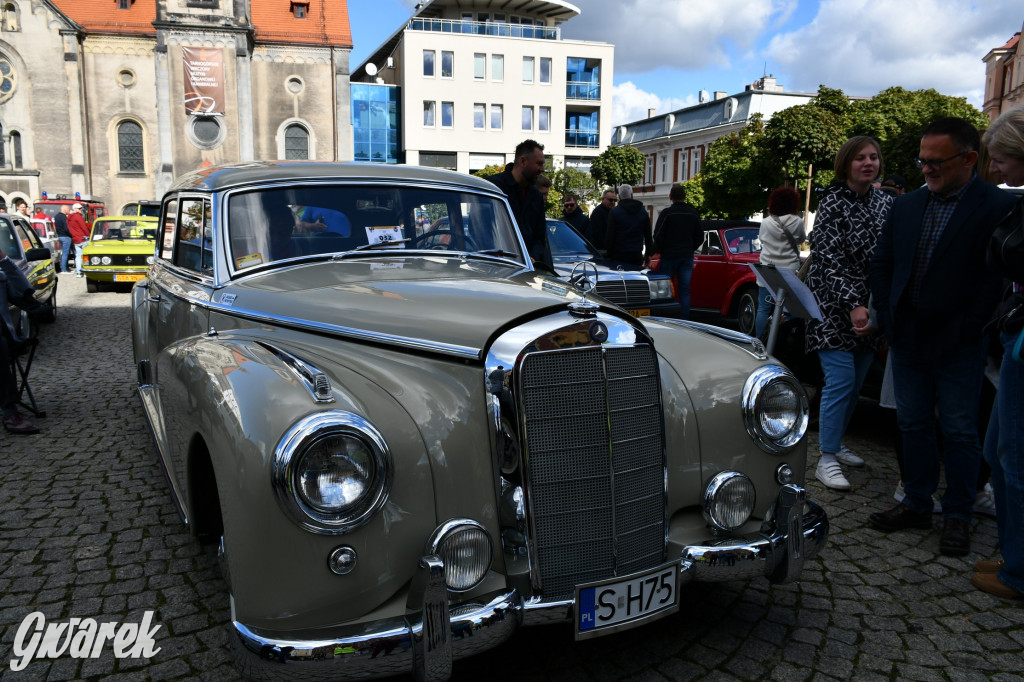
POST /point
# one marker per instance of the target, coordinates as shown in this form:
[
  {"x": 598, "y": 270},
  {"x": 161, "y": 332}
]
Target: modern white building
[
  {"x": 464, "y": 81},
  {"x": 675, "y": 144}
]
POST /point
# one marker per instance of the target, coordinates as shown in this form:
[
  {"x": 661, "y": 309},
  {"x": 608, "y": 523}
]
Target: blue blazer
[{"x": 958, "y": 293}]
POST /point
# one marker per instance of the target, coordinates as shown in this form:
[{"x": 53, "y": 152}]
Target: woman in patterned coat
[{"x": 847, "y": 225}]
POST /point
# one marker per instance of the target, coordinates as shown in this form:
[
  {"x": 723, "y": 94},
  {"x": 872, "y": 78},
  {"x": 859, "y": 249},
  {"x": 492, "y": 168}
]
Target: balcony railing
[
  {"x": 581, "y": 138},
  {"x": 482, "y": 28},
  {"x": 582, "y": 90}
]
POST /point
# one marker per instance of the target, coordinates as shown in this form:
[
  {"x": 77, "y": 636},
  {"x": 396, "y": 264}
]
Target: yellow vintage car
[
  {"x": 407, "y": 443},
  {"x": 120, "y": 249}
]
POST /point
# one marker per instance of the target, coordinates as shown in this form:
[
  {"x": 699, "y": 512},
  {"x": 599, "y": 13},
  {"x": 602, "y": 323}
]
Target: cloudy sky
[{"x": 667, "y": 51}]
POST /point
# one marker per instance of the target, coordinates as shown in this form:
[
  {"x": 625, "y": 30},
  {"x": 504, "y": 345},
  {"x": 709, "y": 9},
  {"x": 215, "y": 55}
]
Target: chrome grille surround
[
  {"x": 624, "y": 290},
  {"x": 590, "y": 448}
]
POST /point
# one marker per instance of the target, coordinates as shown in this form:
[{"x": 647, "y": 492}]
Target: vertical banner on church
[{"x": 204, "y": 80}]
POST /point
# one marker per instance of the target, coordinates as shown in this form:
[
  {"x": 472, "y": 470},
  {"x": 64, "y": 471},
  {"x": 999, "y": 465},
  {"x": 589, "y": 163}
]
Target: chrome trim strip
[
  {"x": 314, "y": 380},
  {"x": 142, "y": 270},
  {"x": 747, "y": 343},
  {"x": 464, "y": 352}
]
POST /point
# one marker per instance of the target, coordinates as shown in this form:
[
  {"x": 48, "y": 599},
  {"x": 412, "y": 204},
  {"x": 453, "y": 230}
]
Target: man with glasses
[
  {"x": 574, "y": 215},
  {"x": 599, "y": 218},
  {"x": 934, "y": 295}
]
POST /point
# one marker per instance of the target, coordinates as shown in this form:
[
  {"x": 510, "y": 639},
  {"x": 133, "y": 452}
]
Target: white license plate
[{"x": 619, "y": 603}]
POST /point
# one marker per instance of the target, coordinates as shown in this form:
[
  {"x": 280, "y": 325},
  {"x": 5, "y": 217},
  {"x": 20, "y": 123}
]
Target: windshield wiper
[{"x": 498, "y": 252}]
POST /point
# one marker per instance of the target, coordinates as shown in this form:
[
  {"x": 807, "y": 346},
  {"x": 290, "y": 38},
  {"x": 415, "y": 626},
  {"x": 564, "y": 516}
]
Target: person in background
[
  {"x": 1004, "y": 440},
  {"x": 896, "y": 185},
  {"x": 60, "y": 225},
  {"x": 574, "y": 215},
  {"x": 849, "y": 219},
  {"x": 79, "y": 235},
  {"x": 21, "y": 206},
  {"x": 517, "y": 182},
  {"x": 934, "y": 295},
  {"x": 543, "y": 185},
  {"x": 781, "y": 234},
  {"x": 599, "y": 217},
  {"x": 628, "y": 238},
  {"x": 677, "y": 234}
]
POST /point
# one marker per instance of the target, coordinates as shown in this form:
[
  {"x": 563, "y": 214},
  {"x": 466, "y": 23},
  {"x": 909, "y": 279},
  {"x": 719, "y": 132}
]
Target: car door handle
[{"x": 155, "y": 298}]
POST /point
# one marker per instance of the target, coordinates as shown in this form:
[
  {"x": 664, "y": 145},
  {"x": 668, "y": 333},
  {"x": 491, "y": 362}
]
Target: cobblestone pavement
[{"x": 87, "y": 529}]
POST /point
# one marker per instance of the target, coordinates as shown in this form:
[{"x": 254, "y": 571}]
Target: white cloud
[
  {"x": 862, "y": 47},
  {"x": 687, "y": 35},
  {"x": 630, "y": 103}
]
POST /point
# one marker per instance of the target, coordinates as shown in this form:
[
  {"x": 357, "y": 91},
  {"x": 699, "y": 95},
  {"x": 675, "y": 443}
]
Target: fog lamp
[
  {"x": 729, "y": 500},
  {"x": 465, "y": 548}
]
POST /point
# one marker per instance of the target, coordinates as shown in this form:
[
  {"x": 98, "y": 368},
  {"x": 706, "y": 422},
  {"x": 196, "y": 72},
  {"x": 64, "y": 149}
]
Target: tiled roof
[
  {"x": 325, "y": 24},
  {"x": 274, "y": 21},
  {"x": 103, "y": 16}
]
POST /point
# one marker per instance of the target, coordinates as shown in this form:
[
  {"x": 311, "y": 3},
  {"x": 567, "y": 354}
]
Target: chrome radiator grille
[
  {"x": 625, "y": 292},
  {"x": 595, "y": 470}
]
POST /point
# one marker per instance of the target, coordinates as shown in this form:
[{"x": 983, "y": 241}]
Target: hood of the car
[
  {"x": 447, "y": 303},
  {"x": 146, "y": 246}
]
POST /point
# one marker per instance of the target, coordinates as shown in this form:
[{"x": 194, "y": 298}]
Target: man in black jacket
[
  {"x": 677, "y": 235},
  {"x": 599, "y": 218},
  {"x": 575, "y": 216},
  {"x": 629, "y": 230},
  {"x": 517, "y": 182},
  {"x": 60, "y": 224}
]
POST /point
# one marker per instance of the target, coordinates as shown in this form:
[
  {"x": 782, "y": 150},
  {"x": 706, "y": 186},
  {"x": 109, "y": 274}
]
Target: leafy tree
[
  {"x": 487, "y": 171},
  {"x": 580, "y": 183},
  {"x": 618, "y": 165},
  {"x": 730, "y": 179},
  {"x": 802, "y": 136}
]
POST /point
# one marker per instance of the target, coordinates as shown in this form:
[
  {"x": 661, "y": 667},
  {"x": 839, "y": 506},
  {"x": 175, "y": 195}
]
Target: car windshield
[
  {"x": 123, "y": 229},
  {"x": 151, "y": 210},
  {"x": 743, "y": 240},
  {"x": 279, "y": 224},
  {"x": 566, "y": 242}
]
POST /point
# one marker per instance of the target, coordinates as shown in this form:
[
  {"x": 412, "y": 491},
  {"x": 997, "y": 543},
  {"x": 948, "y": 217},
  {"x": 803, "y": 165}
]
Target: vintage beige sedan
[{"x": 409, "y": 443}]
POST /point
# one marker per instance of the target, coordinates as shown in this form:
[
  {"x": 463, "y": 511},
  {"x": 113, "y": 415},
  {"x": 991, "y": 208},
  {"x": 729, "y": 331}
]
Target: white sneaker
[
  {"x": 831, "y": 475},
  {"x": 985, "y": 502},
  {"x": 846, "y": 456},
  {"x": 900, "y": 494}
]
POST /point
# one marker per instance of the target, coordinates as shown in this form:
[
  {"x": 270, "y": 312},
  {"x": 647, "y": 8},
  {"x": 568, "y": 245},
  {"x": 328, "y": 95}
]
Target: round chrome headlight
[
  {"x": 150, "y": 260},
  {"x": 729, "y": 500},
  {"x": 775, "y": 409},
  {"x": 465, "y": 548},
  {"x": 332, "y": 472},
  {"x": 107, "y": 260},
  {"x": 95, "y": 260}
]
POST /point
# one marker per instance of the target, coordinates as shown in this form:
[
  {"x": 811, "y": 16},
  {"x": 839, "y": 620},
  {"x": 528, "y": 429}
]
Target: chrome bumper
[{"x": 435, "y": 634}]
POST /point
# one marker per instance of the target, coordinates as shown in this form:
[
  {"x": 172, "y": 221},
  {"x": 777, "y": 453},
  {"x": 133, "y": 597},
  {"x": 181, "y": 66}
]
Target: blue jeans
[
  {"x": 844, "y": 375},
  {"x": 952, "y": 383},
  {"x": 1004, "y": 452},
  {"x": 765, "y": 307},
  {"x": 78, "y": 257},
  {"x": 682, "y": 270},
  {"x": 65, "y": 252}
]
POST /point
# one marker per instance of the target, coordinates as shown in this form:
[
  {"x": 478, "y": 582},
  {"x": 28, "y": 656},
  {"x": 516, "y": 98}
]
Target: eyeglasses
[
  {"x": 935, "y": 163},
  {"x": 570, "y": 205},
  {"x": 611, "y": 199}
]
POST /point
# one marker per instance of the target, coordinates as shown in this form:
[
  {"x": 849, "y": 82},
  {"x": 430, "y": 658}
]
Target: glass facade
[
  {"x": 376, "y": 130},
  {"x": 583, "y": 78},
  {"x": 581, "y": 129}
]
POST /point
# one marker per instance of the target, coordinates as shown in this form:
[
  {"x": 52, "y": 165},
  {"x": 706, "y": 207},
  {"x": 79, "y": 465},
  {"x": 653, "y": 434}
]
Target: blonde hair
[{"x": 1006, "y": 134}]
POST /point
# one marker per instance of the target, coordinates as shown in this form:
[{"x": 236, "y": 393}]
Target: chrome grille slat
[
  {"x": 595, "y": 478},
  {"x": 625, "y": 292}
]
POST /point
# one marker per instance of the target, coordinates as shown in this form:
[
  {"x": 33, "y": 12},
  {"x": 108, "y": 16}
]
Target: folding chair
[{"x": 21, "y": 356}]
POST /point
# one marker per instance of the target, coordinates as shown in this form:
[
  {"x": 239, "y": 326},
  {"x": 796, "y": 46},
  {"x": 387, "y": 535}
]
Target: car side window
[
  {"x": 194, "y": 237},
  {"x": 713, "y": 244},
  {"x": 29, "y": 238},
  {"x": 167, "y": 229}
]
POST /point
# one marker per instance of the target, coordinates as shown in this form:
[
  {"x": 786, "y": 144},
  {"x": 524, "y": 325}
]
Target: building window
[
  {"x": 376, "y": 128},
  {"x": 300, "y": 10},
  {"x": 545, "y": 70},
  {"x": 478, "y": 116},
  {"x": 544, "y": 119},
  {"x": 205, "y": 132},
  {"x": 664, "y": 166},
  {"x": 527, "y": 118},
  {"x": 497, "y": 67},
  {"x": 684, "y": 164},
  {"x": 126, "y": 78},
  {"x": 447, "y": 64},
  {"x": 649, "y": 170},
  {"x": 16, "y": 150},
  {"x": 428, "y": 114},
  {"x": 439, "y": 160},
  {"x": 527, "y": 69},
  {"x": 124, "y": 4},
  {"x": 10, "y": 18},
  {"x": 447, "y": 114},
  {"x": 129, "y": 147},
  {"x": 296, "y": 142},
  {"x": 496, "y": 110},
  {"x": 8, "y": 79},
  {"x": 698, "y": 153},
  {"x": 479, "y": 66},
  {"x": 428, "y": 63}
]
